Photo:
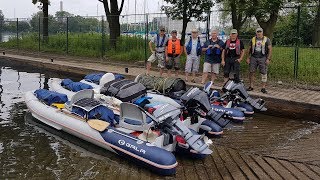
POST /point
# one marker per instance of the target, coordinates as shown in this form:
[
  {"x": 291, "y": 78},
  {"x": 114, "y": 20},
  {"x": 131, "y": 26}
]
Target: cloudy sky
[{"x": 25, "y": 8}]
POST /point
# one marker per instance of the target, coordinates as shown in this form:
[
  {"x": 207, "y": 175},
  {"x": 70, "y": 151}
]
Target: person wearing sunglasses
[
  {"x": 259, "y": 56},
  {"x": 158, "y": 52}
]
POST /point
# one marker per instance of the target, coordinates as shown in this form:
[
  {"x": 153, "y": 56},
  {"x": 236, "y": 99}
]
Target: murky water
[{"x": 29, "y": 149}]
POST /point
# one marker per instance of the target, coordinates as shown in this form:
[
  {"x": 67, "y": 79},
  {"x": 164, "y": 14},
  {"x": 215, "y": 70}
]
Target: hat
[
  {"x": 233, "y": 31},
  {"x": 259, "y": 29},
  {"x": 194, "y": 30},
  {"x": 174, "y": 31},
  {"x": 162, "y": 29}
]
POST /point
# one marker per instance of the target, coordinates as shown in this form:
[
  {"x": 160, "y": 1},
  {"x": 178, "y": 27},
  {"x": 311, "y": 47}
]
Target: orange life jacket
[{"x": 174, "y": 47}]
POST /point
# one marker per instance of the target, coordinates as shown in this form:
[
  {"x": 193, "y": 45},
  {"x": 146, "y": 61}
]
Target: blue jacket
[{"x": 189, "y": 47}]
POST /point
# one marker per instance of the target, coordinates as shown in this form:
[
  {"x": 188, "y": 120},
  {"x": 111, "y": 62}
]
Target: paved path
[{"x": 258, "y": 149}]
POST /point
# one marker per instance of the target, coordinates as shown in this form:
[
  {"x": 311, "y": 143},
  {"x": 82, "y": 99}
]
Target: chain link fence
[{"x": 294, "y": 59}]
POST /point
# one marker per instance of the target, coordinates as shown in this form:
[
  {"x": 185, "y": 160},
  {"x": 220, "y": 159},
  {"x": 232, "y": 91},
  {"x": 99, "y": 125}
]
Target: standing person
[
  {"x": 173, "y": 52},
  {"x": 213, "y": 48},
  {"x": 259, "y": 56},
  {"x": 232, "y": 55},
  {"x": 192, "y": 48},
  {"x": 158, "y": 53}
]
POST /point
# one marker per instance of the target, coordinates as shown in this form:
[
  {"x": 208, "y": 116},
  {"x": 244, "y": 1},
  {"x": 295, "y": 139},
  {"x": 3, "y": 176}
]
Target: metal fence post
[
  {"x": 67, "y": 35},
  {"x": 1, "y": 26},
  {"x": 39, "y": 34},
  {"x": 103, "y": 37},
  {"x": 146, "y": 40},
  {"x": 208, "y": 25},
  {"x": 296, "y": 50},
  {"x": 17, "y": 33}
]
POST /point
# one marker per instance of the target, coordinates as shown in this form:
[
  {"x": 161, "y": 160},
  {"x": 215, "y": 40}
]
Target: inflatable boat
[
  {"x": 166, "y": 90},
  {"x": 135, "y": 134},
  {"x": 149, "y": 101}
]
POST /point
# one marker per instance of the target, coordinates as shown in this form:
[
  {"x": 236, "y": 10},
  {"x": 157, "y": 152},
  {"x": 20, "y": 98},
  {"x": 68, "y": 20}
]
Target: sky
[{"x": 25, "y": 8}]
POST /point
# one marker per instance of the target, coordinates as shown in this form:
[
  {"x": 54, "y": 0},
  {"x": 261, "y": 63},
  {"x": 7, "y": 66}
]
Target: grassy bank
[{"x": 131, "y": 49}]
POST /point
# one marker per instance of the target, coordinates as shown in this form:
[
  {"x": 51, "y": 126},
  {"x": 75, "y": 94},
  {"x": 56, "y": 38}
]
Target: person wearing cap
[
  {"x": 213, "y": 49},
  {"x": 192, "y": 48},
  {"x": 173, "y": 52},
  {"x": 232, "y": 55},
  {"x": 158, "y": 53},
  {"x": 259, "y": 56}
]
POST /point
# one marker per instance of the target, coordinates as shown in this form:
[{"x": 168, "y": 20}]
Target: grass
[{"x": 132, "y": 49}]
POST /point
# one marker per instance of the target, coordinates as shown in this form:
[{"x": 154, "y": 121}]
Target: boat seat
[
  {"x": 87, "y": 104},
  {"x": 134, "y": 118},
  {"x": 87, "y": 93}
]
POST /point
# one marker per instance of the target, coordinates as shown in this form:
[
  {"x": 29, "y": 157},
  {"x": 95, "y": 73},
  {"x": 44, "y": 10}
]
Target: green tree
[
  {"x": 113, "y": 13},
  {"x": 187, "y": 9},
  {"x": 267, "y": 12},
  {"x": 1, "y": 24},
  {"x": 240, "y": 11},
  {"x": 45, "y": 20},
  {"x": 286, "y": 27},
  {"x": 316, "y": 28}
]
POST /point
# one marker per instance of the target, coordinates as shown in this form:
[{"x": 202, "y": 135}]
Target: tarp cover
[
  {"x": 75, "y": 86},
  {"x": 166, "y": 86},
  {"x": 95, "y": 77},
  {"x": 100, "y": 112},
  {"x": 50, "y": 97}
]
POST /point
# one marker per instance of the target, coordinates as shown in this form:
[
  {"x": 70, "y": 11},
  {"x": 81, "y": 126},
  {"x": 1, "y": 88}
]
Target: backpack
[{"x": 124, "y": 90}]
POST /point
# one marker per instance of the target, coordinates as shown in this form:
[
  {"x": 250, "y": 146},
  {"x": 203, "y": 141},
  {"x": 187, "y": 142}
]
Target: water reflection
[{"x": 30, "y": 149}]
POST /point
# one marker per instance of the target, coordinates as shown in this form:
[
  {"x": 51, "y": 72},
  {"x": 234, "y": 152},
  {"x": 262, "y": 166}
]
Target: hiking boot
[
  {"x": 264, "y": 91},
  {"x": 250, "y": 89}
]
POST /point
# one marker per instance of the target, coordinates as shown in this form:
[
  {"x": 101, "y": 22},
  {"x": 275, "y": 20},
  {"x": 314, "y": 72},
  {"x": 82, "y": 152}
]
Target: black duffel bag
[{"x": 124, "y": 90}]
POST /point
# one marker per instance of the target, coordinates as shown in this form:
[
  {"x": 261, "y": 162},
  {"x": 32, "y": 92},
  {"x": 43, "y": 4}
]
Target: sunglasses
[
  {"x": 259, "y": 31},
  {"x": 162, "y": 30}
]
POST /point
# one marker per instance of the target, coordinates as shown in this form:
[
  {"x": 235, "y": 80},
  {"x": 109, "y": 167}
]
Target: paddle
[{"x": 98, "y": 124}]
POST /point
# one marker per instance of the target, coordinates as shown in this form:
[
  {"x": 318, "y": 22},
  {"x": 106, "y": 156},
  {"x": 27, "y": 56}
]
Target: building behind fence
[{"x": 89, "y": 36}]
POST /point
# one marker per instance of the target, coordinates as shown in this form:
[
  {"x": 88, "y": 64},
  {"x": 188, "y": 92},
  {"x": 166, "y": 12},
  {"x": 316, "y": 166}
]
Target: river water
[{"x": 30, "y": 150}]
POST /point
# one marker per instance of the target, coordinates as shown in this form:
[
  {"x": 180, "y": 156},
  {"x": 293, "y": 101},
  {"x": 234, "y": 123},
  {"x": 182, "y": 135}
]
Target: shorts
[
  {"x": 232, "y": 68},
  {"x": 192, "y": 64},
  {"x": 174, "y": 62},
  {"x": 258, "y": 63},
  {"x": 160, "y": 57},
  {"x": 208, "y": 67}
]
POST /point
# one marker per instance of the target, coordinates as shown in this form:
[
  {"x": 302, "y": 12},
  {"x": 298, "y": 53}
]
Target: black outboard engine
[
  {"x": 196, "y": 100},
  {"x": 238, "y": 89}
]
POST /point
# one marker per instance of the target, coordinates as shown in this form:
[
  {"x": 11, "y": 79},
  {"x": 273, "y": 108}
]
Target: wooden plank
[
  {"x": 316, "y": 169},
  {"x": 233, "y": 168},
  {"x": 282, "y": 171},
  {"x": 211, "y": 168},
  {"x": 200, "y": 170},
  {"x": 307, "y": 171},
  {"x": 295, "y": 171},
  {"x": 242, "y": 165},
  {"x": 265, "y": 166},
  {"x": 220, "y": 165},
  {"x": 258, "y": 171}
]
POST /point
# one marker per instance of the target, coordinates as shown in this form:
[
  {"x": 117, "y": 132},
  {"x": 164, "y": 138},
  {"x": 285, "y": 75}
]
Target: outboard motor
[
  {"x": 167, "y": 118},
  {"x": 238, "y": 89},
  {"x": 198, "y": 101}
]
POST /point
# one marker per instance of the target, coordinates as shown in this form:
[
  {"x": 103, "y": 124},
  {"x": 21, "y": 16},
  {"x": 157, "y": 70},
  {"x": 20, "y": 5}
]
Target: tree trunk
[
  {"x": 113, "y": 14},
  {"x": 316, "y": 29},
  {"x": 268, "y": 26},
  {"x": 114, "y": 26},
  {"x": 184, "y": 21},
  {"x": 45, "y": 21}
]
